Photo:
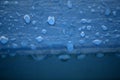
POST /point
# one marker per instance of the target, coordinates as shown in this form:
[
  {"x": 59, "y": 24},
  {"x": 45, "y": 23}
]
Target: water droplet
[
  {"x": 114, "y": 13},
  {"x": 117, "y": 54},
  {"x": 64, "y": 57},
  {"x": 0, "y": 23},
  {"x": 81, "y": 56},
  {"x": 14, "y": 45},
  {"x": 97, "y": 33},
  {"x": 82, "y": 34},
  {"x": 39, "y": 38},
  {"x": 97, "y": 42},
  {"x": 3, "y": 39},
  {"x": 107, "y": 12},
  {"x": 27, "y": 18},
  {"x": 99, "y": 55},
  {"x": 38, "y": 57},
  {"x": 51, "y": 20},
  {"x": 3, "y": 56},
  {"x": 12, "y": 54},
  {"x": 69, "y": 4},
  {"x": 44, "y": 31},
  {"x": 92, "y": 10},
  {"x": 6, "y": 2},
  {"x": 34, "y": 22},
  {"x": 104, "y": 27},
  {"x": 89, "y": 27},
  {"x": 70, "y": 46},
  {"x": 24, "y": 43},
  {"x": 32, "y": 46},
  {"x": 81, "y": 41},
  {"x": 84, "y": 21}
]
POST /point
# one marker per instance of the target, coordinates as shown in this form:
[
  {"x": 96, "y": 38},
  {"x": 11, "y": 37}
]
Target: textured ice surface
[{"x": 59, "y": 21}]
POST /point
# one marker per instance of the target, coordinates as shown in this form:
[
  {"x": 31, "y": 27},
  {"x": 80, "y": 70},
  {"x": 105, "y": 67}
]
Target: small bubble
[
  {"x": 117, "y": 54},
  {"x": 34, "y": 22},
  {"x": 51, "y": 20},
  {"x": 92, "y": 10},
  {"x": 32, "y": 46},
  {"x": 104, "y": 27},
  {"x": 3, "y": 39},
  {"x": 81, "y": 41},
  {"x": 16, "y": 2},
  {"x": 69, "y": 4},
  {"x": 64, "y": 57},
  {"x": 81, "y": 56},
  {"x": 6, "y": 2},
  {"x": 0, "y": 23},
  {"x": 14, "y": 45},
  {"x": 27, "y": 18},
  {"x": 107, "y": 12},
  {"x": 12, "y": 54},
  {"x": 24, "y": 43},
  {"x": 84, "y": 21},
  {"x": 99, "y": 55},
  {"x": 82, "y": 34},
  {"x": 89, "y": 27},
  {"x": 44, "y": 31},
  {"x": 70, "y": 46},
  {"x": 39, "y": 38},
  {"x": 114, "y": 13},
  {"x": 3, "y": 56},
  {"x": 38, "y": 57},
  {"x": 97, "y": 33},
  {"x": 97, "y": 42}
]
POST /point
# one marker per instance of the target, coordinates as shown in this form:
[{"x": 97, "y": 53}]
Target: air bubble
[
  {"x": 27, "y": 18},
  {"x": 99, "y": 55},
  {"x": 107, "y": 12},
  {"x": 32, "y": 46},
  {"x": 3, "y": 39},
  {"x": 82, "y": 34},
  {"x": 69, "y": 4},
  {"x": 97, "y": 42},
  {"x": 38, "y": 57},
  {"x": 114, "y": 13},
  {"x": 51, "y": 20},
  {"x": 81, "y": 41},
  {"x": 104, "y": 27},
  {"x": 70, "y": 46},
  {"x": 89, "y": 27},
  {"x": 3, "y": 56},
  {"x": 14, "y": 45},
  {"x": 85, "y": 21},
  {"x": 12, "y": 54},
  {"x": 39, "y": 38},
  {"x": 81, "y": 56},
  {"x": 24, "y": 43},
  {"x": 44, "y": 31},
  {"x": 34, "y": 22},
  {"x": 64, "y": 57}
]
